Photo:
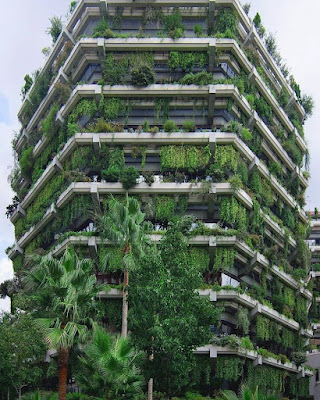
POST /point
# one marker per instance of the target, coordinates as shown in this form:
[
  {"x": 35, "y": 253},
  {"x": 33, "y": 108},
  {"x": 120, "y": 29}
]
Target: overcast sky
[{"x": 22, "y": 36}]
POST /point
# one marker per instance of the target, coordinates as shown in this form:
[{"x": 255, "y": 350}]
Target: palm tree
[
  {"x": 124, "y": 225},
  {"x": 109, "y": 366},
  {"x": 66, "y": 290},
  {"x": 10, "y": 288}
]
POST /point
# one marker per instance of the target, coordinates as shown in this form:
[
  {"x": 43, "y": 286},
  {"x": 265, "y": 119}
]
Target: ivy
[
  {"x": 190, "y": 158},
  {"x": 199, "y": 257},
  {"x": 114, "y": 255},
  {"x": 229, "y": 368},
  {"x": 84, "y": 107},
  {"x": 187, "y": 61},
  {"x": 162, "y": 107},
  {"x": 224, "y": 258},
  {"x": 164, "y": 208},
  {"x": 114, "y": 70},
  {"x": 227, "y": 157},
  {"x": 263, "y": 328},
  {"x": 233, "y": 213},
  {"x": 226, "y": 23},
  {"x": 270, "y": 380}
]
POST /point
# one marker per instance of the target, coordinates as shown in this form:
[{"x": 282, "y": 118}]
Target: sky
[{"x": 22, "y": 36}]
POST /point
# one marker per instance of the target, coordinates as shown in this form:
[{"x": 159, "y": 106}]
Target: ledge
[
  {"x": 215, "y": 351},
  {"x": 254, "y": 305},
  {"x": 211, "y": 241},
  {"x": 33, "y": 231}
]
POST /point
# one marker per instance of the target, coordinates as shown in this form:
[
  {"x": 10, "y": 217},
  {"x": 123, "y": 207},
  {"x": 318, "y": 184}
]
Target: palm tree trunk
[
  {"x": 63, "y": 373},
  {"x": 150, "y": 389},
  {"x": 124, "y": 327}
]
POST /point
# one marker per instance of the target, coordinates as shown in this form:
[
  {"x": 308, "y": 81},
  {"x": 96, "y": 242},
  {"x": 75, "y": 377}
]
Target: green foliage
[
  {"x": 48, "y": 126},
  {"x": 190, "y": 158},
  {"x": 170, "y": 126},
  {"x": 187, "y": 60},
  {"x": 102, "y": 30},
  {"x": 114, "y": 70},
  {"x": 22, "y": 348},
  {"x": 257, "y": 23},
  {"x": 26, "y": 162},
  {"x": 243, "y": 320},
  {"x": 162, "y": 107},
  {"x": 224, "y": 258},
  {"x": 189, "y": 126},
  {"x": 129, "y": 177},
  {"x": 173, "y": 26},
  {"x": 28, "y": 81},
  {"x": 165, "y": 208},
  {"x": 200, "y": 79},
  {"x": 55, "y": 29},
  {"x": 200, "y": 258},
  {"x": 293, "y": 150},
  {"x": 307, "y": 103},
  {"x": 161, "y": 320},
  {"x": 109, "y": 367},
  {"x": 40, "y": 89},
  {"x": 270, "y": 380},
  {"x": 197, "y": 29},
  {"x": 227, "y": 157},
  {"x": 226, "y": 22},
  {"x": 84, "y": 107},
  {"x": 142, "y": 75},
  {"x": 229, "y": 367},
  {"x": 232, "y": 212}
]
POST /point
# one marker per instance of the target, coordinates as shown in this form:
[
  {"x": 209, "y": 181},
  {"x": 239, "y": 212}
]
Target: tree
[
  {"x": 124, "y": 226},
  {"x": 167, "y": 316},
  {"x": 22, "y": 351},
  {"x": 55, "y": 29},
  {"x": 10, "y": 288},
  {"x": 108, "y": 367},
  {"x": 66, "y": 291}
]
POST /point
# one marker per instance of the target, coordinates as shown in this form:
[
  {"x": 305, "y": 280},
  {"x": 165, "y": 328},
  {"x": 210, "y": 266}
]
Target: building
[
  {"x": 187, "y": 95},
  {"x": 314, "y": 355}
]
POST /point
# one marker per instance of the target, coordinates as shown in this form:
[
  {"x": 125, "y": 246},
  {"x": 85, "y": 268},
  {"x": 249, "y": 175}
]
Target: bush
[
  {"x": 55, "y": 29},
  {"x": 299, "y": 358},
  {"x": 197, "y": 29},
  {"x": 129, "y": 177},
  {"x": 170, "y": 126},
  {"x": 26, "y": 162},
  {"x": 189, "y": 126},
  {"x": 173, "y": 25},
  {"x": 149, "y": 177},
  {"x": 142, "y": 76},
  {"x": 112, "y": 174}
]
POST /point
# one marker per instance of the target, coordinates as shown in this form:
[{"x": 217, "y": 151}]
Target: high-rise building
[
  {"x": 181, "y": 104},
  {"x": 314, "y": 281}
]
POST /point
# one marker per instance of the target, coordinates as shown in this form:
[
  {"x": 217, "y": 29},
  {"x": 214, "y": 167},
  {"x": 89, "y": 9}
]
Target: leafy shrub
[
  {"x": 149, "y": 177},
  {"x": 26, "y": 162},
  {"x": 173, "y": 25},
  {"x": 170, "y": 126},
  {"x": 112, "y": 174},
  {"x": 246, "y": 343},
  {"x": 197, "y": 29},
  {"x": 143, "y": 75},
  {"x": 55, "y": 29},
  {"x": 200, "y": 78},
  {"x": 102, "y": 30},
  {"x": 189, "y": 126},
  {"x": 129, "y": 177}
]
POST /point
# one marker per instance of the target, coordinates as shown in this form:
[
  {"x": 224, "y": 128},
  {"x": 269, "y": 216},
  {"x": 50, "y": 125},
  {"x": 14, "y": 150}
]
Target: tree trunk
[
  {"x": 150, "y": 389},
  {"x": 124, "y": 328},
  {"x": 63, "y": 373},
  {"x": 19, "y": 393}
]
